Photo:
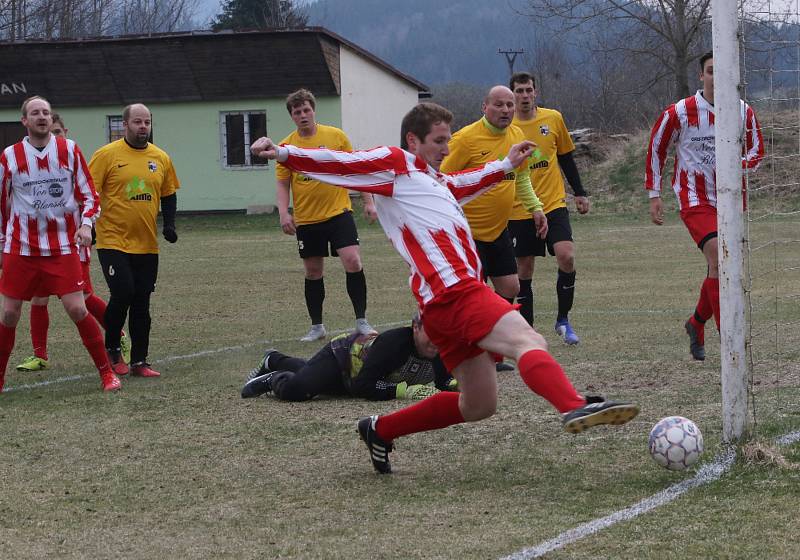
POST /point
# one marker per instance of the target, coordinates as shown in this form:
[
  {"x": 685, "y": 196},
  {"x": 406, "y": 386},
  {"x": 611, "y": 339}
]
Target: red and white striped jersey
[
  {"x": 418, "y": 207},
  {"x": 689, "y": 124},
  {"x": 46, "y": 195}
]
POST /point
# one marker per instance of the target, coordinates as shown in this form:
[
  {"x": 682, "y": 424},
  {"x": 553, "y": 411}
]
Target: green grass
[{"x": 182, "y": 467}]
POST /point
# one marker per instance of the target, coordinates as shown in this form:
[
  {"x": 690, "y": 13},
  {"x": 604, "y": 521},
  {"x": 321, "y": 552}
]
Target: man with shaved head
[
  {"x": 485, "y": 140},
  {"x": 133, "y": 178}
]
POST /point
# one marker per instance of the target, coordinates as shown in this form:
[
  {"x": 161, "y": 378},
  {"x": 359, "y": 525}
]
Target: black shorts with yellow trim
[
  {"x": 497, "y": 257},
  {"x": 324, "y": 238},
  {"x": 525, "y": 241}
]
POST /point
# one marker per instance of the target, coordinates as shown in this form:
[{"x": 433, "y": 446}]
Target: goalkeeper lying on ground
[{"x": 400, "y": 363}]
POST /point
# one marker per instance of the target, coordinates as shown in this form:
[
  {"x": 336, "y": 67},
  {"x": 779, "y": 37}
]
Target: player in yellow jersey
[
  {"x": 552, "y": 155},
  {"x": 323, "y": 217},
  {"x": 485, "y": 140},
  {"x": 133, "y": 177}
]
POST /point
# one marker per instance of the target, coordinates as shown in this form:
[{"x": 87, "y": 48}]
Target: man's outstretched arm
[{"x": 372, "y": 171}]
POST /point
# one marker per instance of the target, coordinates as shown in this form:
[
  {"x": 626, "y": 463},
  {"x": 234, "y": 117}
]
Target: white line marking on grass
[
  {"x": 706, "y": 474},
  {"x": 169, "y": 359},
  {"x": 44, "y": 383}
]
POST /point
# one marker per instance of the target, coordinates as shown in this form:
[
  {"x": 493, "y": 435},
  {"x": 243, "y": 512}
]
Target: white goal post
[{"x": 729, "y": 130}]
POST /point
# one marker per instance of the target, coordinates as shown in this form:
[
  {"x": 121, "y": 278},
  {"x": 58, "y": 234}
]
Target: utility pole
[{"x": 511, "y": 57}]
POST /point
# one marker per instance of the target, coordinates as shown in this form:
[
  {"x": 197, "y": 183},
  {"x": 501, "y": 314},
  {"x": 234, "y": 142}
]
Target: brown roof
[{"x": 173, "y": 67}]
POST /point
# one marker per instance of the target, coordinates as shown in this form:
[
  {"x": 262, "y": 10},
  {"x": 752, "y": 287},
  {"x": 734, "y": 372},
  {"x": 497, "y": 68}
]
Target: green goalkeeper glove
[
  {"x": 452, "y": 385},
  {"x": 414, "y": 392}
]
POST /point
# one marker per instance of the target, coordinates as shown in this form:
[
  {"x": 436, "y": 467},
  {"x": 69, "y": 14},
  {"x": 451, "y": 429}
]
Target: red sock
[
  {"x": 7, "y": 336},
  {"x": 93, "y": 340},
  {"x": 97, "y": 307},
  {"x": 40, "y": 322},
  {"x": 704, "y": 309},
  {"x": 699, "y": 328},
  {"x": 544, "y": 376},
  {"x": 436, "y": 412},
  {"x": 713, "y": 297}
]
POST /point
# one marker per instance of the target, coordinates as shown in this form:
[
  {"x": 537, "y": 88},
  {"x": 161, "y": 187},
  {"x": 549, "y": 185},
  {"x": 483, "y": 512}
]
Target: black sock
[
  {"x": 315, "y": 295},
  {"x": 565, "y": 289},
  {"x": 357, "y": 290},
  {"x": 525, "y": 299},
  {"x": 698, "y": 318}
]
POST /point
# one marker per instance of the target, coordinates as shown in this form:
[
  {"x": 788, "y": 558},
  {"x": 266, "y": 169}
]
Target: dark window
[
  {"x": 11, "y": 133},
  {"x": 239, "y": 130}
]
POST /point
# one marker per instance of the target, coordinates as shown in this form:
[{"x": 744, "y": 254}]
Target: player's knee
[
  {"x": 480, "y": 410},
  {"x": 509, "y": 289},
  {"x": 352, "y": 263},
  {"x": 285, "y": 387},
  {"x": 529, "y": 340},
  {"x": 525, "y": 267},
  {"x": 76, "y": 311},
  {"x": 121, "y": 295},
  {"x": 566, "y": 262},
  {"x": 10, "y": 317}
]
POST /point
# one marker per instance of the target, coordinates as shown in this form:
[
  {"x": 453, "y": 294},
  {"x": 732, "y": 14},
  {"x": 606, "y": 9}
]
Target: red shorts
[
  {"x": 701, "y": 221},
  {"x": 26, "y": 277},
  {"x": 458, "y": 319}
]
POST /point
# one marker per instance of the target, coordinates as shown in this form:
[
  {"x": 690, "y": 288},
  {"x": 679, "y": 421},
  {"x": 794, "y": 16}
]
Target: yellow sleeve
[
  {"x": 458, "y": 158},
  {"x": 171, "y": 182},
  {"x": 346, "y": 146},
  {"x": 524, "y": 191},
  {"x": 564, "y": 143},
  {"x": 98, "y": 169},
  {"x": 282, "y": 172}
]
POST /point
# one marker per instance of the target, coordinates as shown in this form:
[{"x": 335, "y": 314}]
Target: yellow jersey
[
  {"x": 131, "y": 183},
  {"x": 315, "y": 201},
  {"x": 477, "y": 144},
  {"x": 552, "y": 139}
]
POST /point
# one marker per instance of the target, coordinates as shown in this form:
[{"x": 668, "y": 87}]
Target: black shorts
[
  {"x": 525, "y": 241},
  {"x": 497, "y": 257},
  {"x": 340, "y": 231},
  {"x": 129, "y": 273}
]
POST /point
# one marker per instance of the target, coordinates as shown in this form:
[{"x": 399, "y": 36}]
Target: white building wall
[{"x": 374, "y": 101}]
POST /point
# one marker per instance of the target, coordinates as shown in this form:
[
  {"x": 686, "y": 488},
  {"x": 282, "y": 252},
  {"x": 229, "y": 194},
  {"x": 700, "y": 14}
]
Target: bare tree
[
  {"x": 463, "y": 100},
  {"x": 668, "y": 34},
  {"x": 153, "y": 16},
  {"x": 68, "y": 19}
]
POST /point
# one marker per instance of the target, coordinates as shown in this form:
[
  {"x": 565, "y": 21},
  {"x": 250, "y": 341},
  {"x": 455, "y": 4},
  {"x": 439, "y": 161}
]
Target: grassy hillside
[{"x": 613, "y": 172}]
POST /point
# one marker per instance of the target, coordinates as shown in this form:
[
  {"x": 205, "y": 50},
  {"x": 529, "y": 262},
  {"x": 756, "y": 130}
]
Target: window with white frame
[
  {"x": 115, "y": 128},
  {"x": 239, "y": 129}
]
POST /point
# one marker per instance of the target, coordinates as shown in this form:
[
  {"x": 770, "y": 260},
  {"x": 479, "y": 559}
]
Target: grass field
[{"x": 182, "y": 467}]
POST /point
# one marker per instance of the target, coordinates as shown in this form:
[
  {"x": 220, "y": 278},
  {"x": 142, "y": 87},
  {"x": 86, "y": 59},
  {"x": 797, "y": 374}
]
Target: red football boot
[
  {"x": 118, "y": 365},
  {"x": 143, "y": 369},
  {"x": 110, "y": 381}
]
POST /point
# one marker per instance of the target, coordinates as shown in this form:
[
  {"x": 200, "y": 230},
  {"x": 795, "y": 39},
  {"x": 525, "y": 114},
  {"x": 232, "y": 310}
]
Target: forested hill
[{"x": 436, "y": 41}]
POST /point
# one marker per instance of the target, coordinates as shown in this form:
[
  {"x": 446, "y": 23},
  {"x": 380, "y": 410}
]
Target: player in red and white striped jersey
[
  {"x": 48, "y": 205},
  {"x": 689, "y": 125},
  {"x": 40, "y": 317},
  {"x": 419, "y": 209}
]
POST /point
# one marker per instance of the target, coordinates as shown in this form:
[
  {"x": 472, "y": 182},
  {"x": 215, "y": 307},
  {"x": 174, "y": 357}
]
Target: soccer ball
[{"x": 676, "y": 443}]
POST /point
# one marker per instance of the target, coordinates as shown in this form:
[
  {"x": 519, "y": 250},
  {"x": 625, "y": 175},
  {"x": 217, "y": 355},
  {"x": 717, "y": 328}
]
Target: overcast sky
[{"x": 207, "y": 9}]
